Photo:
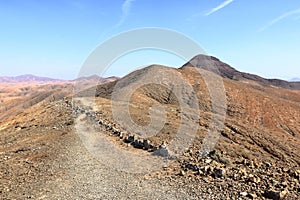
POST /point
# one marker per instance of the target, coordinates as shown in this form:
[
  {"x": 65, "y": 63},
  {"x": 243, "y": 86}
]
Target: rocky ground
[
  {"x": 217, "y": 173},
  {"x": 59, "y": 148},
  {"x": 44, "y": 159}
]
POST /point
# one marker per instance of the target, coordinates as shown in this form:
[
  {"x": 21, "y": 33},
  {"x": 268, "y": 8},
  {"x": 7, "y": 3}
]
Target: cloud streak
[
  {"x": 126, "y": 6},
  {"x": 281, "y": 17},
  {"x": 219, "y": 7}
]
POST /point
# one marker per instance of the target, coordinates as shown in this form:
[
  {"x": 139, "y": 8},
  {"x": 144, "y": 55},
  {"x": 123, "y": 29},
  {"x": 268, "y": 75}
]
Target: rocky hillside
[
  {"x": 211, "y": 63},
  {"x": 22, "y": 92},
  {"x": 48, "y": 148},
  {"x": 262, "y": 123}
]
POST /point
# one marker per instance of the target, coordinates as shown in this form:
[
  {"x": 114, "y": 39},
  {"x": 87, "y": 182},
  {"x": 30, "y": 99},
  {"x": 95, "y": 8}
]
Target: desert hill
[
  {"x": 22, "y": 92},
  {"x": 256, "y": 157},
  {"x": 262, "y": 115},
  {"x": 266, "y": 117},
  {"x": 211, "y": 63},
  {"x": 17, "y": 97}
]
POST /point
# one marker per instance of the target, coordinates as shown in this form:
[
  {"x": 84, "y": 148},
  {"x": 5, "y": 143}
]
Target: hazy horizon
[
  {"x": 294, "y": 79},
  {"x": 53, "y": 39}
]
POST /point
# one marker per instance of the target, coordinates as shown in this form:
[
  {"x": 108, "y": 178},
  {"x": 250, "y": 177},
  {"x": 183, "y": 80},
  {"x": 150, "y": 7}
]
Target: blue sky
[{"x": 53, "y": 38}]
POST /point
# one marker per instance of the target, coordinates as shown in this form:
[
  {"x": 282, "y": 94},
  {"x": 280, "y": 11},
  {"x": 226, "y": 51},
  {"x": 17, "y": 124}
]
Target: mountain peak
[
  {"x": 204, "y": 57},
  {"x": 215, "y": 65}
]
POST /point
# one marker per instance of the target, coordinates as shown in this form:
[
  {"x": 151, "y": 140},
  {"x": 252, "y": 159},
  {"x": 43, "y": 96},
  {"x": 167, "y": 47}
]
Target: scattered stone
[
  {"x": 129, "y": 139},
  {"x": 139, "y": 144},
  {"x": 146, "y": 144},
  {"x": 219, "y": 173},
  {"x": 256, "y": 163},
  {"x": 271, "y": 194},
  {"x": 192, "y": 167},
  {"x": 240, "y": 174},
  {"x": 284, "y": 184},
  {"x": 235, "y": 177},
  {"x": 297, "y": 174},
  {"x": 253, "y": 179},
  {"x": 252, "y": 196},
  {"x": 274, "y": 182},
  {"x": 243, "y": 172},
  {"x": 284, "y": 169},
  {"x": 268, "y": 164},
  {"x": 182, "y": 173},
  {"x": 251, "y": 164},
  {"x": 200, "y": 172},
  {"x": 283, "y": 194},
  {"x": 207, "y": 169},
  {"x": 243, "y": 194}
]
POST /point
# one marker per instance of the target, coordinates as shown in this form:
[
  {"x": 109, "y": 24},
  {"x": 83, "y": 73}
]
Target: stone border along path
[
  {"x": 246, "y": 178},
  {"x": 128, "y": 138},
  {"x": 87, "y": 178}
]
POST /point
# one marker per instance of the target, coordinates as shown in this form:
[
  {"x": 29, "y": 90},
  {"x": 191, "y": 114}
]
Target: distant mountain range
[
  {"x": 205, "y": 62},
  {"x": 26, "y": 78},
  {"x": 33, "y": 78},
  {"x": 96, "y": 78}
]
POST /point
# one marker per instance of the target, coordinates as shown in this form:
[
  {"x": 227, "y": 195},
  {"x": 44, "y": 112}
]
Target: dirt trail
[
  {"x": 53, "y": 163},
  {"x": 87, "y": 178},
  {"x": 46, "y": 157}
]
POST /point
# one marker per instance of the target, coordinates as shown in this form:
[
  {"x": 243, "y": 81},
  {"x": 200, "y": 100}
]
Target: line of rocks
[
  {"x": 123, "y": 135},
  {"x": 259, "y": 178}
]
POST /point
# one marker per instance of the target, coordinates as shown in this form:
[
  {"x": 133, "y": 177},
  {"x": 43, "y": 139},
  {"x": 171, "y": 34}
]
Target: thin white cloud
[
  {"x": 222, "y": 5},
  {"x": 126, "y": 6},
  {"x": 281, "y": 17}
]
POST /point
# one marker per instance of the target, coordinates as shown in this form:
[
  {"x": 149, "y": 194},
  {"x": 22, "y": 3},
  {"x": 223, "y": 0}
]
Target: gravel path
[{"x": 87, "y": 178}]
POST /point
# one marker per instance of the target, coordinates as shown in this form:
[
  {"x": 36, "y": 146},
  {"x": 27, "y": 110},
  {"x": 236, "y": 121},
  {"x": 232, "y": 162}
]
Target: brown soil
[{"x": 257, "y": 154}]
